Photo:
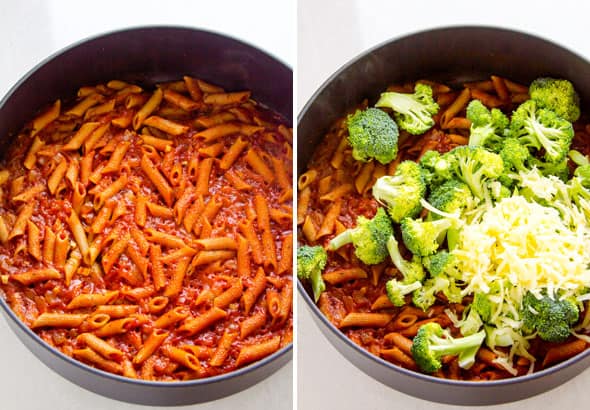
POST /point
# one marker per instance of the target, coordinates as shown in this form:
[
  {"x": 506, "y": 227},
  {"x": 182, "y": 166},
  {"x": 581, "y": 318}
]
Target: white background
[
  {"x": 31, "y": 31},
  {"x": 332, "y": 32}
]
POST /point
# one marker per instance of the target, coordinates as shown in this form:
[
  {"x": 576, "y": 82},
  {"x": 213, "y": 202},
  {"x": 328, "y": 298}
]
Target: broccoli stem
[
  {"x": 396, "y": 256},
  {"x": 317, "y": 284},
  {"x": 578, "y": 158},
  {"x": 340, "y": 240},
  {"x": 458, "y": 345}
]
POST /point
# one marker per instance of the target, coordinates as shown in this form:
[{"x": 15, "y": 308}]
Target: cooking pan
[
  {"x": 147, "y": 56},
  {"x": 452, "y": 55}
]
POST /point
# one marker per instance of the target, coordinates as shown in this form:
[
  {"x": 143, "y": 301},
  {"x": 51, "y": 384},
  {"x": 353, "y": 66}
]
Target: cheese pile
[
  {"x": 526, "y": 245},
  {"x": 518, "y": 246}
]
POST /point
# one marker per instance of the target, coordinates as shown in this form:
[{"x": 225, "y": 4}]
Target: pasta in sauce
[{"x": 148, "y": 233}]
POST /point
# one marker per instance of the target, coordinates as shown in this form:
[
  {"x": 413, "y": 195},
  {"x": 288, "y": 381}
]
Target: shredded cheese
[
  {"x": 526, "y": 245},
  {"x": 518, "y": 246}
]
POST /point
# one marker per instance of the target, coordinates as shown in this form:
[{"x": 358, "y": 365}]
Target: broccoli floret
[
  {"x": 499, "y": 191},
  {"x": 437, "y": 167},
  {"x": 369, "y": 238},
  {"x": 551, "y": 316},
  {"x": 432, "y": 342},
  {"x": 483, "y": 306},
  {"x": 396, "y": 290},
  {"x": 424, "y": 237},
  {"x": 471, "y": 323},
  {"x": 515, "y": 155},
  {"x": 475, "y": 166},
  {"x": 311, "y": 261},
  {"x": 487, "y": 127},
  {"x": 412, "y": 112},
  {"x": 578, "y": 185},
  {"x": 425, "y": 296},
  {"x": 451, "y": 196},
  {"x": 441, "y": 263},
  {"x": 372, "y": 133},
  {"x": 411, "y": 271},
  {"x": 429, "y": 159},
  {"x": 560, "y": 169},
  {"x": 539, "y": 128},
  {"x": 556, "y": 95},
  {"x": 402, "y": 192},
  {"x": 582, "y": 173}
]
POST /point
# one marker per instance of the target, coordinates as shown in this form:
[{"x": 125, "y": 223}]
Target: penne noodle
[
  {"x": 157, "y": 179},
  {"x": 254, "y": 290},
  {"x": 226, "y": 98},
  {"x": 361, "y": 319},
  {"x": 231, "y": 294},
  {"x": 232, "y": 154},
  {"x": 258, "y": 165},
  {"x": 36, "y": 275},
  {"x": 194, "y": 325},
  {"x": 94, "y": 358},
  {"x": 149, "y": 107},
  {"x": 175, "y": 284},
  {"x": 251, "y": 353},
  {"x": 45, "y": 119},
  {"x": 344, "y": 275},
  {"x": 34, "y": 240},
  {"x": 223, "y": 349},
  {"x": 101, "y": 347},
  {"x": 58, "y": 320},
  {"x": 152, "y": 343},
  {"x": 162, "y": 124},
  {"x": 254, "y": 322}
]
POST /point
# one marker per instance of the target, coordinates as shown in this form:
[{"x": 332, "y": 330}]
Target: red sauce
[{"x": 52, "y": 211}]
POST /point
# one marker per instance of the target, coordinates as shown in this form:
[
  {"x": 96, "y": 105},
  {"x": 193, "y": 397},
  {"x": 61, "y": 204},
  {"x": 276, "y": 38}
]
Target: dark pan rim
[
  {"x": 330, "y": 326},
  {"x": 101, "y": 373},
  {"x": 93, "y": 37}
]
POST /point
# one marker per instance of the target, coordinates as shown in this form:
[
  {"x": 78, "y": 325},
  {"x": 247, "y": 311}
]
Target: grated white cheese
[
  {"x": 526, "y": 244},
  {"x": 523, "y": 246}
]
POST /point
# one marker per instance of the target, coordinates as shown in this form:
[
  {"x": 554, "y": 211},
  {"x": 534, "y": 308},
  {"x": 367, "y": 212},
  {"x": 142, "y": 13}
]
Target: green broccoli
[
  {"x": 437, "y": 167},
  {"x": 582, "y": 173},
  {"x": 551, "y": 316},
  {"x": 402, "y": 192},
  {"x": 412, "y": 112},
  {"x": 540, "y": 128},
  {"x": 560, "y": 169},
  {"x": 578, "y": 158},
  {"x": 396, "y": 290},
  {"x": 369, "y": 238},
  {"x": 475, "y": 166},
  {"x": 515, "y": 155},
  {"x": 556, "y": 95},
  {"x": 425, "y": 296},
  {"x": 311, "y": 261},
  {"x": 450, "y": 197},
  {"x": 471, "y": 323},
  {"x": 578, "y": 193},
  {"x": 487, "y": 127},
  {"x": 483, "y": 305},
  {"x": 411, "y": 271},
  {"x": 499, "y": 191},
  {"x": 432, "y": 342},
  {"x": 441, "y": 263},
  {"x": 372, "y": 133},
  {"x": 429, "y": 159},
  {"x": 424, "y": 237}
]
